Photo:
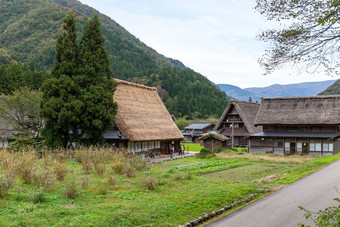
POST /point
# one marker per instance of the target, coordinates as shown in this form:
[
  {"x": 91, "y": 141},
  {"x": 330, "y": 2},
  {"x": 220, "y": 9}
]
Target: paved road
[{"x": 313, "y": 192}]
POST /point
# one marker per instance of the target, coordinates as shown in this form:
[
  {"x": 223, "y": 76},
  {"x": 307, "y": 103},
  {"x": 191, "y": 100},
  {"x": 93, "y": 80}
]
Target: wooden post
[{"x": 232, "y": 135}]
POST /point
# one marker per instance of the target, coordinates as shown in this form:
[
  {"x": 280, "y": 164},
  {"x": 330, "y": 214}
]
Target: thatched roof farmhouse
[
  {"x": 297, "y": 125},
  {"x": 317, "y": 110},
  {"x": 238, "y": 120},
  {"x": 142, "y": 120}
]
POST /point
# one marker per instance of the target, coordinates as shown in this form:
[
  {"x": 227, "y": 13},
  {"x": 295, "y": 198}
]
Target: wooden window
[
  {"x": 312, "y": 146},
  {"x": 157, "y": 144},
  {"x": 287, "y": 146},
  {"x": 299, "y": 147},
  {"x": 327, "y": 147},
  {"x": 278, "y": 143},
  {"x": 317, "y": 146}
]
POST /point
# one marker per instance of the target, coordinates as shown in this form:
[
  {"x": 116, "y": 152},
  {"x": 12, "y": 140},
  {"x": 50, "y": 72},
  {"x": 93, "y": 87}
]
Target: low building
[
  {"x": 142, "y": 123},
  {"x": 214, "y": 141},
  {"x": 192, "y": 132},
  {"x": 297, "y": 125},
  {"x": 237, "y": 122}
]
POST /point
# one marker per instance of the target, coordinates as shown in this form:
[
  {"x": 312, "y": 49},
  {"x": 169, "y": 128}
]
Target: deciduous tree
[
  {"x": 19, "y": 113},
  {"x": 311, "y": 35}
]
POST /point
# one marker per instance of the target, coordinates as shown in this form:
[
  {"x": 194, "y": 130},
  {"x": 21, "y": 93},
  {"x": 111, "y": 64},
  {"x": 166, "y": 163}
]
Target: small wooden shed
[{"x": 214, "y": 141}]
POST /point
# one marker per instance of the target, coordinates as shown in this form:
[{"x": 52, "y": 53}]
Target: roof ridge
[
  {"x": 302, "y": 97},
  {"x": 241, "y": 101},
  {"x": 134, "y": 84}
]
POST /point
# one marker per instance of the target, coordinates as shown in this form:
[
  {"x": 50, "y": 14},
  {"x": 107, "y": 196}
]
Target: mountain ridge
[
  {"x": 276, "y": 90},
  {"x": 30, "y": 28}
]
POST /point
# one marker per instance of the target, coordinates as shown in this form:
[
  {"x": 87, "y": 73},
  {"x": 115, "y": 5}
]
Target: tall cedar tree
[
  {"x": 61, "y": 106},
  {"x": 97, "y": 85}
]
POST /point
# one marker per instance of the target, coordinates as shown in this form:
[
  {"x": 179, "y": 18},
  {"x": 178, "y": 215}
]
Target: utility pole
[{"x": 232, "y": 135}]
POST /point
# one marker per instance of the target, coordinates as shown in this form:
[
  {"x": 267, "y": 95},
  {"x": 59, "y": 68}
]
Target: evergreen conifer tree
[
  {"x": 61, "y": 106},
  {"x": 98, "y": 86}
]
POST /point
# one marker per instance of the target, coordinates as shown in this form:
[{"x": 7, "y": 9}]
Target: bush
[
  {"x": 6, "y": 183},
  {"x": 118, "y": 166},
  {"x": 111, "y": 181},
  {"x": 38, "y": 197},
  {"x": 205, "y": 153},
  {"x": 99, "y": 168},
  {"x": 220, "y": 149},
  {"x": 44, "y": 178},
  {"x": 84, "y": 182},
  {"x": 26, "y": 163},
  {"x": 129, "y": 172},
  {"x": 150, "y": 182},
  {"x": 60, "y": 170},
  {"x": 330, "y": 216},
  {"x": 71, "y": 190},
  {"x": 87, "y": 166},
  {"x": 138, "y": 163}
]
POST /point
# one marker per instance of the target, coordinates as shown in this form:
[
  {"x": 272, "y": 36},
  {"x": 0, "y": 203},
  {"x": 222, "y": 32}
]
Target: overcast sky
[{"x": 216, "y": 38}]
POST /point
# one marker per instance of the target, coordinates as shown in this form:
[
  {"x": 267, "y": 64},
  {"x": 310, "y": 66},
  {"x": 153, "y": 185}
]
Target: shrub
[
  {"x": 220, "y": 149},
  {"x": 100, "y": 169},
  {"x": 44, "y": 178},
  {"x": 38, "y": 197},
  {"x": 8, "y": 161},
  {"x": 60, "y": 170},
  {"x": 111, "y": 180},
  {"x": 26, "y": 163},
  {"x": 150, "y": 182},
  {"x": 87, "y": 166},
  {"x": 183, "y": 176},
  {"x": 129, "y": 172},
  {"x": 244, "y": 150},
  {"x": 71, "y": 190},
  {"x": 118, "y": 166},
  {"x": 6, "y": 183},
  {"x": 84, "y": 182},
  {"x": 138, "y": 163},
  {"x": 205, "y": 153},
  {"x": 330, "y": 216},
  {"x": 100, "y": 191}
]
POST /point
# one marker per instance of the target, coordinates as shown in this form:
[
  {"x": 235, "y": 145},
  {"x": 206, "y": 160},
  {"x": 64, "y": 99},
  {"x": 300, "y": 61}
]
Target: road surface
[{"x": 280, "y": 208}]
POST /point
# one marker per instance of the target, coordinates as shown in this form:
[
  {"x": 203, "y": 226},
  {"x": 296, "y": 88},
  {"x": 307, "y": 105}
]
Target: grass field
[
  {"x": 183, "y": 189},
  {"x": 192, "y": 146}
]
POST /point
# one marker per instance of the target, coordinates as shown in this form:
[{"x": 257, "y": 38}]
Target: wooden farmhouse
[
  {"x": 237, "y": 121},
  {"x": 214, "y": 141},
  {"x": 192, "y": 132},
  {"x": 298, "y": 125},
  {"x": 142, "y": 123}
]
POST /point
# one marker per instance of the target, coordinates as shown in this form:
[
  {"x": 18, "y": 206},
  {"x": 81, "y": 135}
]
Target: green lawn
[
  {"x": 192, "y": 146},
  {"x": 187, "y": 188}
]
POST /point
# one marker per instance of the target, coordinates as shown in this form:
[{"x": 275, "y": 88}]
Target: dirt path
[{"x": 280, "y": 208}]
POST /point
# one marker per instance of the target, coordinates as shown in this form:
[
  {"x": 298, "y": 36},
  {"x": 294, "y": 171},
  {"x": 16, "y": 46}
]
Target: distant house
[
  {"x": 214, "y": 141},
  {"x": 237, "y": 121},
  {"x": 298, "y": 125},
  {"x": 192, "y": 132},
  {"x": 142, "y": 122}
]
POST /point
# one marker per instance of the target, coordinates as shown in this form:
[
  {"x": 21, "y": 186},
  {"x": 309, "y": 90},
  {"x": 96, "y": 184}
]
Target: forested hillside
[
  {"x": 334, "y": 89},
  {"x": 28, "y": 33}
]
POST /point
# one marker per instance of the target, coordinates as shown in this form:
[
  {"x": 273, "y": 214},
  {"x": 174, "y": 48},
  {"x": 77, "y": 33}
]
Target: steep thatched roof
[
  {"x": 247, "y": 112},
  {"x": 316, "y": 110},
  {"x": 214, "y": 135},
  {"x": 141, "y": 114}
]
